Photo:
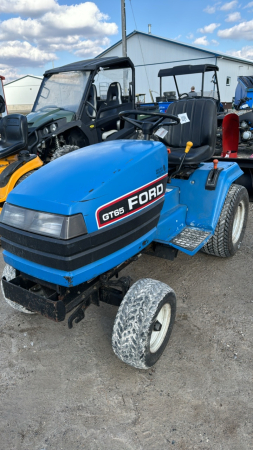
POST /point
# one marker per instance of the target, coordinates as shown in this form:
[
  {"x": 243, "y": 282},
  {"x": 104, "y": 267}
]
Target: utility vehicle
[
  {"x": 206, "y": 76},
  {"x": 201, "y": 75},
  {"x": 67, "y": 237},
  {"x": 234, "y": 134},
  {"x": 77, "y": 105}
]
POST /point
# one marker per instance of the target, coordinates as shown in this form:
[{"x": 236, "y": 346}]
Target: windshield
[{"x": 62, "y": 90}]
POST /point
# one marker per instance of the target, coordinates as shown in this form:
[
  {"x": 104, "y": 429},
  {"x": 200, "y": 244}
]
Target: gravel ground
[{"x": 65, "y": 389}]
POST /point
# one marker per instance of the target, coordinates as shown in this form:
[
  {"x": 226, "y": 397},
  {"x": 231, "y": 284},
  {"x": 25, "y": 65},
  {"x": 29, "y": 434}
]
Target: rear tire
[
  {"x": 231, "y": 226},
  {"x": 9, "y": 273},
  {"x": 144, "y": 323}
]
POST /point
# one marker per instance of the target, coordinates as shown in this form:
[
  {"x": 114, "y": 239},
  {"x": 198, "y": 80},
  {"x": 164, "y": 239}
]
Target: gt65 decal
[{"x": 130, "y": 203}]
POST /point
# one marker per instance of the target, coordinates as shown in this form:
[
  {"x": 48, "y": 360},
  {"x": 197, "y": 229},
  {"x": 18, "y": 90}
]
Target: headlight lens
[
  {"x": 45, "y": 130},
  {"x": 53, "y": 127},
  {"x": 54, "y": 225}
]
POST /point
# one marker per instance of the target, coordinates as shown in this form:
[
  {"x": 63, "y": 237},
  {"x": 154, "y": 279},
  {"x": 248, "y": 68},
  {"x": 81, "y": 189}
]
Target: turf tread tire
[
  {"x": 220, "y": 244},
  {"x": 131, "y": 331},
  {"x": 64, "y": 150}
]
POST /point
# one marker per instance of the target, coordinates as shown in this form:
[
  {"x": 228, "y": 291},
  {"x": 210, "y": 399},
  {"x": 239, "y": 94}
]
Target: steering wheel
[
  {"x": 148, "y": 126},
  {"x": 93, "y": 107},
  {"x": 183, "y": 95}
]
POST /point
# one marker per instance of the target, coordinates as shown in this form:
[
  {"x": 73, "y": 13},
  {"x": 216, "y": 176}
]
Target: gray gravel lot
[{"x": 65, "y": 389}]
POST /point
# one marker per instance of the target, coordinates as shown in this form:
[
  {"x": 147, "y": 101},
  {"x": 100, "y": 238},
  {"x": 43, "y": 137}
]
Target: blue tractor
[{"x": 68, "y": 230}]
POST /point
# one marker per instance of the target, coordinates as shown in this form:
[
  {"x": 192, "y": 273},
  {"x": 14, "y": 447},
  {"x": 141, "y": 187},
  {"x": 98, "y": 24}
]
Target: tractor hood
[
  {"x": 41, "y": 117},
  {"x": 92, "y": 177}
]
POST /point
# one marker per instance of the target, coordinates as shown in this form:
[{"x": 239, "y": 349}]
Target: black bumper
[{"x": 18, "y": 291}]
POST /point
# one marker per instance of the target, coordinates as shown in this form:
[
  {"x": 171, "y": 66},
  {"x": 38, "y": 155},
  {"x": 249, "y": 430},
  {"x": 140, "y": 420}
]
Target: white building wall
[
  {"x": 20, "y": 94},
  {"x": 232, "y": 69},
  {"x": 150, "y": 54}
]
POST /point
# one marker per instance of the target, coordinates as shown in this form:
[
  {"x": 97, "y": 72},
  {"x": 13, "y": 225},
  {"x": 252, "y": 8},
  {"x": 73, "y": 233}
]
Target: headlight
[
  {"x": 45, "y": 130},
  {"x": 54, "y": 225},
  {"x": 53, "y": 127}
]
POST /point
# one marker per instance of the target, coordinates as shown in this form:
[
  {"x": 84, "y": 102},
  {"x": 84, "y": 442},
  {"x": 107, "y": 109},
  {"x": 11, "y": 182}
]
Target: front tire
[
  {"x": 144, "y": 323},
  {"x": 231, "y": 226},
  {"x": 64, "y": 150},
  {"x": 9, "y": 273}
]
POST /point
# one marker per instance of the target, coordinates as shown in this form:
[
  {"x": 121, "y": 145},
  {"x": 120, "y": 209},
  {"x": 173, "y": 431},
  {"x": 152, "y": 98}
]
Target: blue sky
[{"x": 35, "y": 34}]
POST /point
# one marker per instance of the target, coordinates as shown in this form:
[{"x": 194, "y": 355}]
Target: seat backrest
[
  {"x": 14, "y": 129},
  {"x": 92, "y": 98},
  {"x": 201, "y": 129},
  {"x": 114, "y": 96}
]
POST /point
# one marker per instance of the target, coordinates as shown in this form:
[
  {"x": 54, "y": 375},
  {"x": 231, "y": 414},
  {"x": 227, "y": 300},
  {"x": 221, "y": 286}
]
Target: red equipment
[{"x": 230, "y": 136}]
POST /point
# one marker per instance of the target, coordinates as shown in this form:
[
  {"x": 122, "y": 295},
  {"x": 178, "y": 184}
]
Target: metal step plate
[{"x": 190, "y": 238}]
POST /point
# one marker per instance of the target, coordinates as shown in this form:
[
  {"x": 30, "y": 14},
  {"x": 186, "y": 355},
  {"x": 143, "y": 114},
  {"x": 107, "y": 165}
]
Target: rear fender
[{"x": 204, "y": 206}]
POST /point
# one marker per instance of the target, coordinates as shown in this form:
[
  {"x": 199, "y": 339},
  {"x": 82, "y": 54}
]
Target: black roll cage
[
  {"x": 187, "y": 70},
  {"x": 93, "y": 66}
]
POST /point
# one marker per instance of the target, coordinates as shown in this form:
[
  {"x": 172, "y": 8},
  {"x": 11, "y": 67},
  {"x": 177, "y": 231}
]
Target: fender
[
  {"x": 204, "y": 207},
  {"x": 26, "y": 167}
]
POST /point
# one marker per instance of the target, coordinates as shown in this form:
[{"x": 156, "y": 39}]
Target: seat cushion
[
  {"x": 125, "y": 133},
  {"x": 10, "y": 148},
  {"x": 107, "y": 133},
  {"x": 195, "y": 155}
]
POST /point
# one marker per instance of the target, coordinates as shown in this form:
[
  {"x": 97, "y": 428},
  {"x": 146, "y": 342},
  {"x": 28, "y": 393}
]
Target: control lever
[
  {"x": 213, "y": 176},
  {"x": 188, "y": 147}
]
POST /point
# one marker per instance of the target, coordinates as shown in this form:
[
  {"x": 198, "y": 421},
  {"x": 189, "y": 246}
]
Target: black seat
[
  {"x": 114, "y": 98},
  {"x": 14, "y": 132},
  {"x": 114, "y": 95},
  {"x": 201, "y": 130}
]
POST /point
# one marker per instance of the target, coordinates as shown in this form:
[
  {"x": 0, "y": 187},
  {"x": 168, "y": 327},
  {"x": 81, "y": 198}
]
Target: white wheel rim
[
  {"x": 238, "y": 222},
  {"x": 157, "y": 337}
]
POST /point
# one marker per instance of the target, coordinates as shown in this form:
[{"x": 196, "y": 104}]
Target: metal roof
[
  {"x": 21, "y": 78},
  {"x": 187, "y": 70},
  {"x": 210, "y": 52},
  {"x": 93, "y": 64}
]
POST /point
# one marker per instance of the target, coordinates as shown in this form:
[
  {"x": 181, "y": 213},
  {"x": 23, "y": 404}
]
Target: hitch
[{"x": 78, "y": 314}]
